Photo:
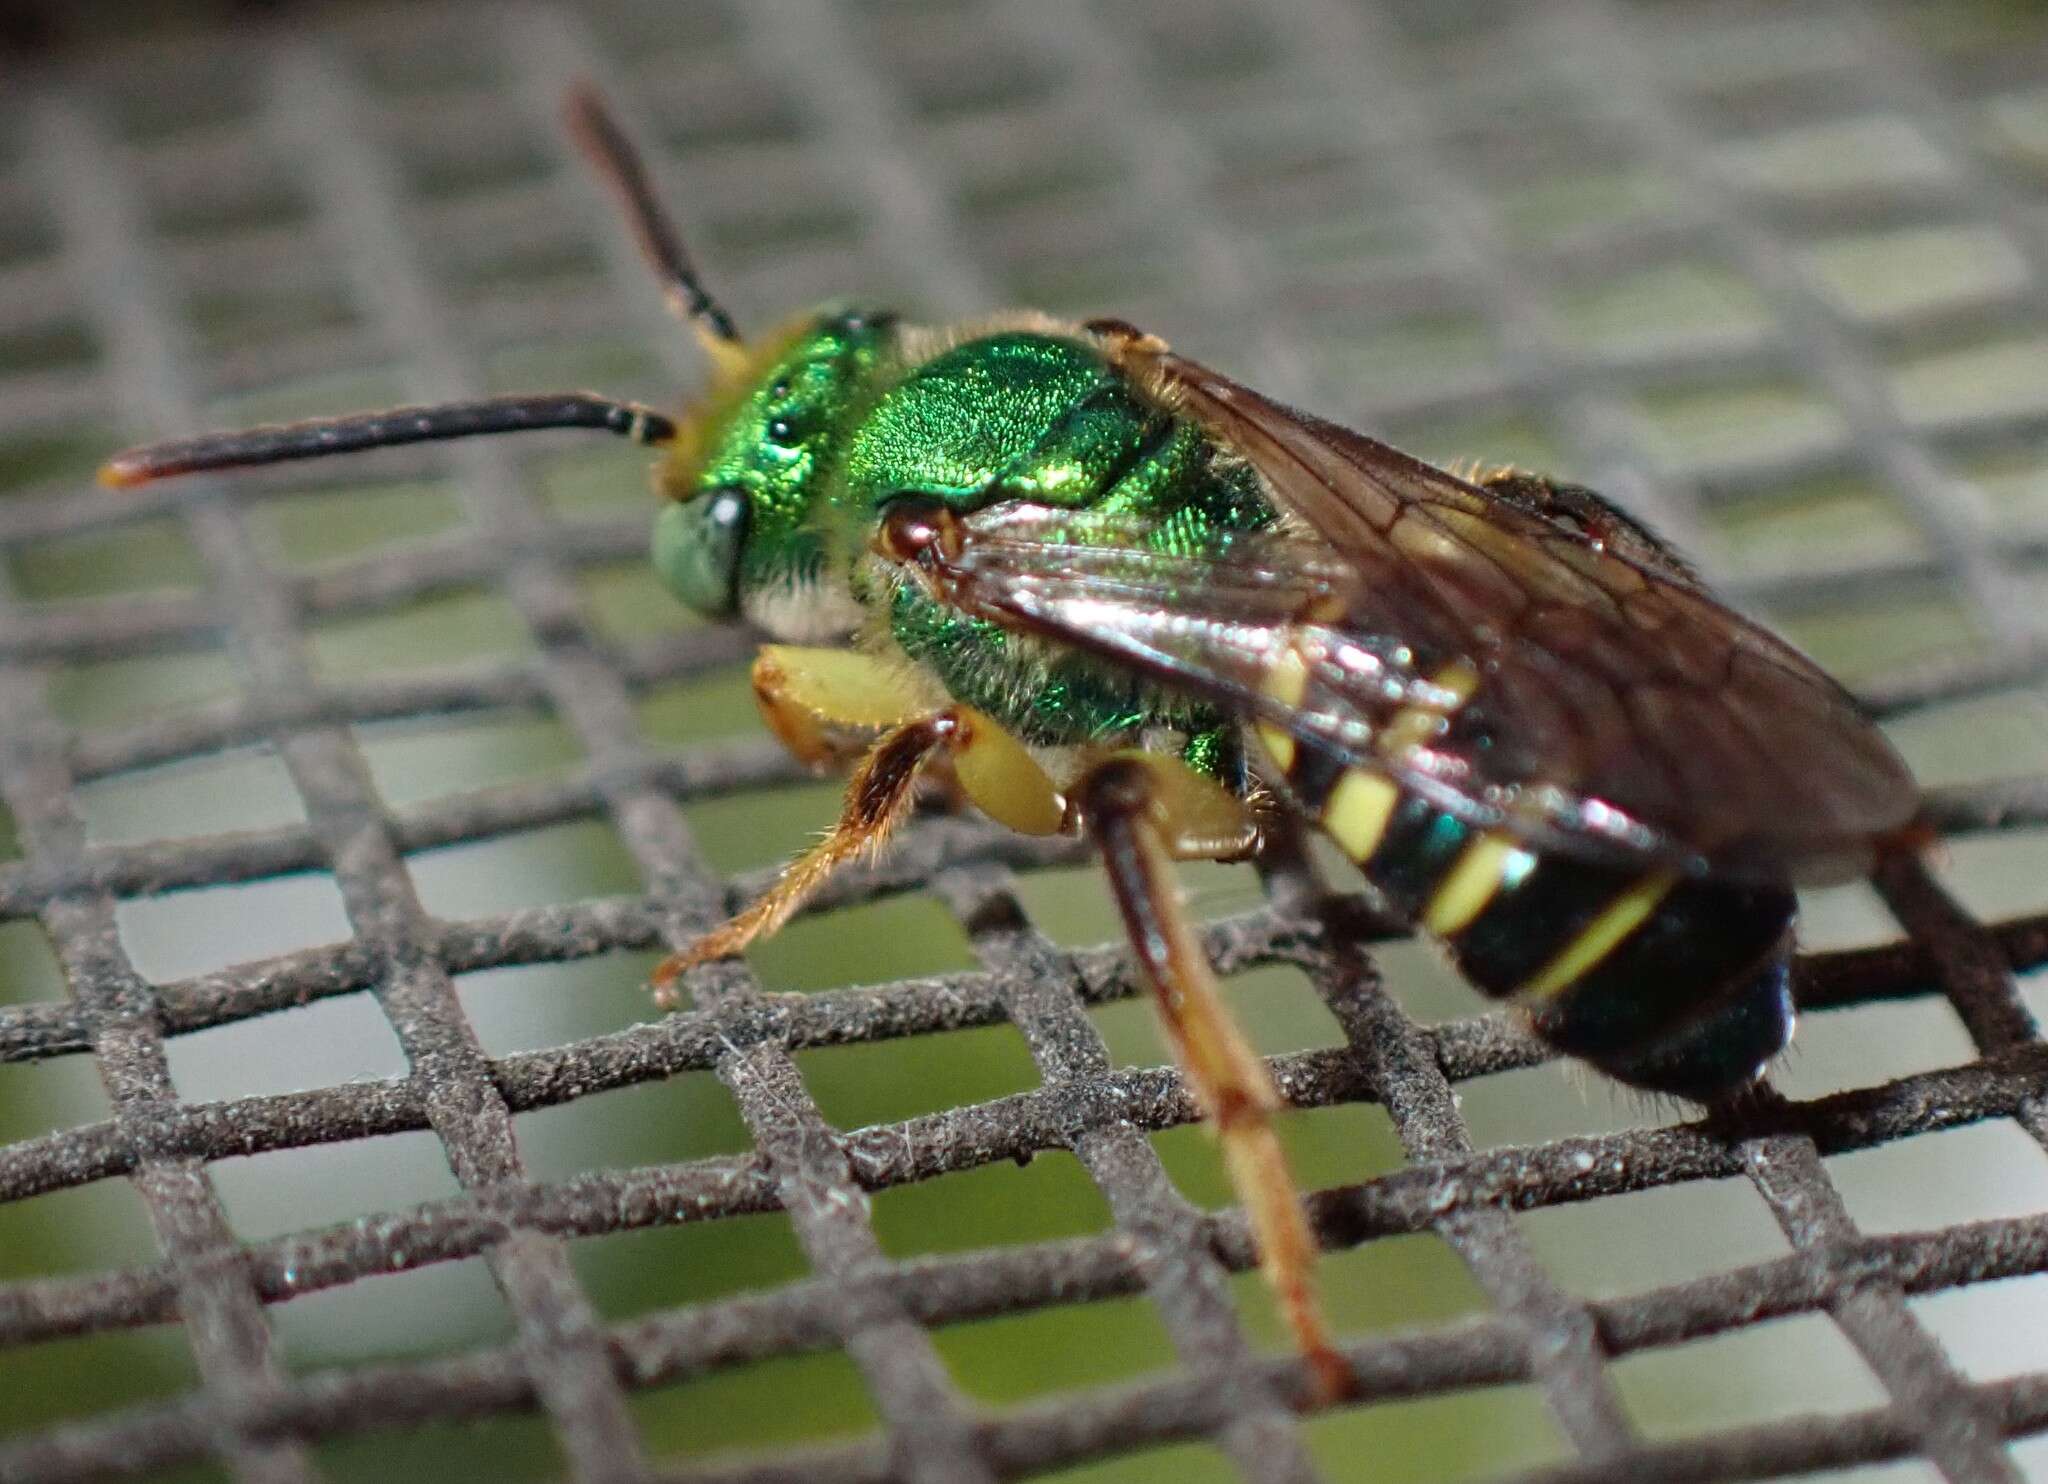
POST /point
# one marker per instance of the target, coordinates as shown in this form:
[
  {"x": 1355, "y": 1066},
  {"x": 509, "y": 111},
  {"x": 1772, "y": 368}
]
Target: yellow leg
[
  {"x": 811, "y": 697},
  {"x": 994, "y": 770},
  {"x": 1135, "y": 806}
]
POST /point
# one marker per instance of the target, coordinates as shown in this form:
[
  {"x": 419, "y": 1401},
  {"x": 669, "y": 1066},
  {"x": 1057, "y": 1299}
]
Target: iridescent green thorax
[
  {"x": 973, "y": 419},
  {"x": 1027, "y": 415},
  {"x": 1054, "y": 700},
  {"x": 1037, "y": 417}
]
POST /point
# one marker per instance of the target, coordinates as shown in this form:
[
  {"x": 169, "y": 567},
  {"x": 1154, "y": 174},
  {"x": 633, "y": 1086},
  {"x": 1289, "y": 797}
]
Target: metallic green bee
[{"x": 1126, "y": 597}]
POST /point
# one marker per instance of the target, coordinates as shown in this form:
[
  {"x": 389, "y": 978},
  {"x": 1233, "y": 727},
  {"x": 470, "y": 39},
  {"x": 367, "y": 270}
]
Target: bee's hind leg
[{"x": 1143, "y": 810}]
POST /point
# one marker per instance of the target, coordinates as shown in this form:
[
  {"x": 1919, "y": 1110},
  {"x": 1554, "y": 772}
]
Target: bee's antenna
[
  {"x": 606, "y": 146},
  {"x": 317, "y": 437}
]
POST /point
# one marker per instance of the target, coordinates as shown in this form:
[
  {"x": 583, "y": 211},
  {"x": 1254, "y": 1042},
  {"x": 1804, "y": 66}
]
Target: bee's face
[{"x": 744, "y": 530}]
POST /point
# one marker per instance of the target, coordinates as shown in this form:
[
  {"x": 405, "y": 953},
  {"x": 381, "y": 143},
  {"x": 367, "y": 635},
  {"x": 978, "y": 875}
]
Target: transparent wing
[{"x": 1618, "y": 710}]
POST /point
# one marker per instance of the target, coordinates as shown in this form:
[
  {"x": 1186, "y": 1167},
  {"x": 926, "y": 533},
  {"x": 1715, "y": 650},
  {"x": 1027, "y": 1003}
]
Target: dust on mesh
[{"x": 292, "y": 154}]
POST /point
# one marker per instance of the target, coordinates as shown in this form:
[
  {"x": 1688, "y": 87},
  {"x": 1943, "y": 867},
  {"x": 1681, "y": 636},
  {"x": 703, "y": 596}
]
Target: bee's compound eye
[{"x": 697, "y": 549}]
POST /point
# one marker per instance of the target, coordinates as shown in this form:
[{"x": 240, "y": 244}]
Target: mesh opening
[{"x": 342, "y": 809}]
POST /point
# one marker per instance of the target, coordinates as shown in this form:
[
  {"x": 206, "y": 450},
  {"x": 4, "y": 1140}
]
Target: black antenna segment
[
  {"x": 606, "y": 146},
  {"x": 276, "y": 443}
]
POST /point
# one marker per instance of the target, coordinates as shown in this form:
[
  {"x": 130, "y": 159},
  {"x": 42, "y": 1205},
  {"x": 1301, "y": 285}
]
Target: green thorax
[{"x": 1040, "y": 417}]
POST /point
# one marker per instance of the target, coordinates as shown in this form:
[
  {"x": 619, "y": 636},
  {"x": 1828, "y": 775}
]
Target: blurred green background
[{"x": 1682, "y": 428}]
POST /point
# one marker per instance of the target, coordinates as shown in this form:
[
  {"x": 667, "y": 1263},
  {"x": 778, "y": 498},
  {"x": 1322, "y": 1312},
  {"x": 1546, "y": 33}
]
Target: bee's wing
[{"x": 1617, "y": 710}]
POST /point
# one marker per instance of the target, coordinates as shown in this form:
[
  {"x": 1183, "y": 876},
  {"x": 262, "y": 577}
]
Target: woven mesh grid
[{"x": 954, "y": 157}]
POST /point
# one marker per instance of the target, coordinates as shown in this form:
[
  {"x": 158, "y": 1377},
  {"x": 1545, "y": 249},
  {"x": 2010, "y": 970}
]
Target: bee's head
[{"x": 744, "y": 530}]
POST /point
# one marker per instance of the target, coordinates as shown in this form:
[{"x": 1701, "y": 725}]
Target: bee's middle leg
[{"x": 1142, "y": 810}]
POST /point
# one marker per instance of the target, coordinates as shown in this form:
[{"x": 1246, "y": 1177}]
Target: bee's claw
[{"x": 724, "y": 941}]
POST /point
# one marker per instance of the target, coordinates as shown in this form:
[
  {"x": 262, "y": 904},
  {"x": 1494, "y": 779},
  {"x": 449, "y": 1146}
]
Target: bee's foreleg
[
  {"x": 1142, "y": 809},
  {"x": 992, "y": 767},
  {"x": 812, "y": 698},
  {"x": 877, "y": 798}
]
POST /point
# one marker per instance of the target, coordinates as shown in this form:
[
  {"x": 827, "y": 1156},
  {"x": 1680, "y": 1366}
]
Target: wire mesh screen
[{"x": 347, "y": 806}]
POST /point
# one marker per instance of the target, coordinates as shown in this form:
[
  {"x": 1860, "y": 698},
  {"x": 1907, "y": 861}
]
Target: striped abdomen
[{"x": 1673, "y": 983}]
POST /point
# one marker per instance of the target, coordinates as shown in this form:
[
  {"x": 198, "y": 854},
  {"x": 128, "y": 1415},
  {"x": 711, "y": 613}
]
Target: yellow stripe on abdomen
[
  {"x": 1279, "y": 745},
  {"x": 1357, "y": 811},
  {"x": 1600, "y": 937},
  {"x": 1286, "y": 683},
  {"x": 1415, "y": 725},
  {"x": 1488, "y": 864}
]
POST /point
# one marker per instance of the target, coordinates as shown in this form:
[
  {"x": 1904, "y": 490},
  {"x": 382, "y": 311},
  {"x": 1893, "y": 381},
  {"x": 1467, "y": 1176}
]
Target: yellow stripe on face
[
  {"x": 1412, "y": 726},
  {"x": 1286, "y": 683},
  {"x": 1600, "y": 937},
  {"x": 1357, "y": 811},
  {"x": 1483, "y": 868}
]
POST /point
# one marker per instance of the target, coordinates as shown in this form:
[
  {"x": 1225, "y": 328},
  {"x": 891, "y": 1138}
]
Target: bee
[{"x": 1114, "y": 593}]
